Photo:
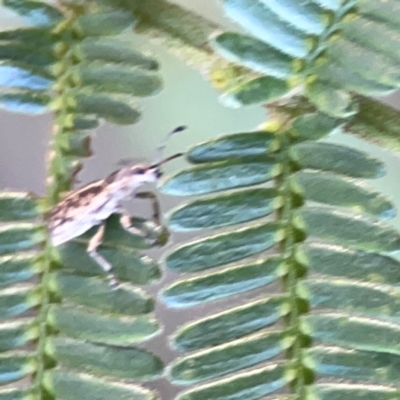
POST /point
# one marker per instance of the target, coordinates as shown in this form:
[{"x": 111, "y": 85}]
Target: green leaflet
[
  {"x": 337, "y": 158},
  {"x": 257, "y": 91},
  {"x": 15, "y": 334},
  {"x": 387, "y": 12},
  {"x": 229, "y": 325},
  {"x": 373, "y": 35},
  {"x": 353, "y": 364},
  {"x": 249, "y": 144},
  {"x": 337, "y": 391},
  {"x": 249, "y": 385},
  {"x": 70, "y": 386},
  {"x": 99, "y": 360},
  {"x": 306, "y": 16},
  {"x": 84, "y": 324},
  {"x": 17, "y": 268},
  {"x": 35, "y": 12},
  {"x": 368, "y": 299},
  {"x": 17, "y": 300},
  {"x": 111, "y": 108},
  {"x": 95, "y": 49},
  {"x": 7, "y": 394},
  {"x": 16, "y": 206},
  {"x": 121, "y": 79},
  {"x": 350, "y": 229},
  {"x": 256, "y": 18},
  {"x": 223, "y": 248},
  {"x": 330, "y": 100},
  {"x": 254, "y": 54},
  {"x": 219, "y": 176},
  {"x": 352, "y": 56},
  {"x": 20, "y": 236},
  {"x": 124, "y": 300},
  {"x": 227, "y": 358},
  {"x": 224, "y": 210},
  {"x": 358, "y": 332},
  {"x": 228, "y": 282},
  {"x": 119, "y": 247},
  {"x": 15, "y": 366},
  {"x": 337, "y": 261},
  {"x": 340, "y": 191},
  {"x": 314, "y": 126},
  {"x": 107, "y": 23}
]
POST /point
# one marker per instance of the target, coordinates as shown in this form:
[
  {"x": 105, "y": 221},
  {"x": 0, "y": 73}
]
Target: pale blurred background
[{"x": 186, "y": 99}]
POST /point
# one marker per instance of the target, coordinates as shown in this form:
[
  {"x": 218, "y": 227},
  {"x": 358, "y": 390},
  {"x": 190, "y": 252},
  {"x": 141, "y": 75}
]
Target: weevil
[{"x": 92, "y": 204}]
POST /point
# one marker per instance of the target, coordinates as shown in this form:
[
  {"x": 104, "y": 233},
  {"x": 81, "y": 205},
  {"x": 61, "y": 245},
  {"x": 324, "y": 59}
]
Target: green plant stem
[{"x": 290, "y": 280}]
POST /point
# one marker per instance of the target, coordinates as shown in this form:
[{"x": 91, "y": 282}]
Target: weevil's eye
[
  {"x": 140, "y": 171},
  {"x": 159, "y": 173}
]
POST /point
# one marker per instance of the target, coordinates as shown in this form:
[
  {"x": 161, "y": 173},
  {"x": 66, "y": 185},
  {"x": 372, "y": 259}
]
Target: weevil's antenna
[{"x": 163, "y": 145}]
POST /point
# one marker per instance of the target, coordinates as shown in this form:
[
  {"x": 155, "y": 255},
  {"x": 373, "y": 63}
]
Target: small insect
[{"x": 94, "y": 203}]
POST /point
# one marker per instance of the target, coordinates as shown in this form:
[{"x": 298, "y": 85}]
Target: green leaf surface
[
  {"x": 373, "y": 34},
  {"x": 111, "y": 108},
  {"x": 314, "y": 126},
  {"x": 337, "y": 75},
  {"x": 336, "y": 158},
  {"x": 305, "y": 16},
  {"x": 14, "y": 334},
  {"x": 107, "y": 23},
  {"x": 83, "y": 324},
  {"x": 361, "y": 333},
  {"x": 92, "y": 292},
  {"x": 119, "y": 247},
  {"x": 256, "y": 18},
  {"x": 354, "y": 57},
  {"x": 22, "y": 54},
  {"x": 330, "y": 100},
  {"x": 337, "y": 190},
  {"x": 25, "y": 101},
  {"x": 35, "y": 12},
  {"x": 10, "y": 394},
  {"x": 251, "y": 385},
  {"x": 128, "y": 264},
  {"x": 69, "y": 386},
  {"x": 385, "y": 11},
  {"x": 227, "y": 358},
  {"x": 115, "y": 51},
  {"x": 261, "y": 90},
  {"x": 350, "y": 229},
  {"x": 224, "y": 210},
  {"x": 230, "y": 281},
  {"x": 19, "y": 236},
  {"x": 16, "y": 300},
  {"x": 15, "y": 366},
  {"x": 113, "y": 78},
  {"x": 219, "y": 176},
  {"x": 337, "y": 391},
  {"x": 229, "y": 325},
  {"x": 16, "y": 268},
  {"x": 254, "y": 54},
  {"x": 362, "y": 298},
  {"x": 249, "y": 144},
  {"x": 222, "y": 249},
  {"x": 354, "y": 365},
  {"x": 99, "y": 360},
  {"x": 16, "y": 206},
  {"x": 357, "y": 265},
  {"x": 23, "y": 78}
]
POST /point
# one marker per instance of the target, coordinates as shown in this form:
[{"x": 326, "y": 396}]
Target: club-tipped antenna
[{"x": 163, "y": 145}]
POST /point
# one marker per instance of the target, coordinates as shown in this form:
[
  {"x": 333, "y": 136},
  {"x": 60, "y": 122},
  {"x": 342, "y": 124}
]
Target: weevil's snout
[{"x": 144, "y": 173}]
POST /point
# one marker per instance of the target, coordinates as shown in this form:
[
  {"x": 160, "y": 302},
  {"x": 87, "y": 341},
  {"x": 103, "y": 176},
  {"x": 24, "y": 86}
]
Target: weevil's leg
[
  {"x": 126, "y": 223},
  {"x": 154, "y": 203},
  {"x": 94, "y": 243}
]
